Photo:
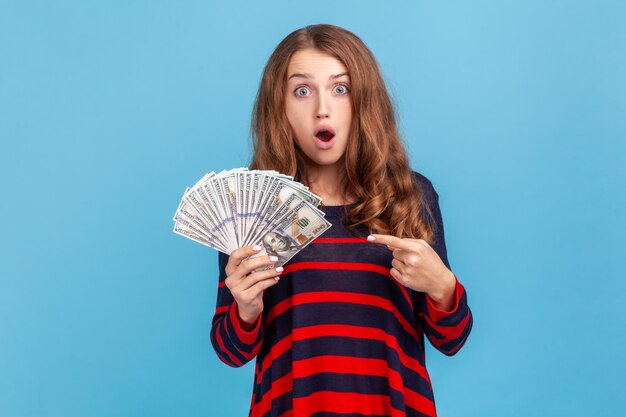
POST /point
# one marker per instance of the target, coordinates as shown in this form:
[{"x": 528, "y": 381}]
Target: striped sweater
[{"x": 338, "y": 335}]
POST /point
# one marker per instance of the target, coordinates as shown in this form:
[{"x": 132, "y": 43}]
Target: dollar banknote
[
  {"x": 293, "y": 232},
  {"x": 241, "y": 207}
]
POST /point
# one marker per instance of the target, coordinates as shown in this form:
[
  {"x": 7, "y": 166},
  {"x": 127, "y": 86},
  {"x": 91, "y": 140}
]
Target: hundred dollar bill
[
  {"x": 257, "y": 183},
  {"x": 253, "y": 183},
  {"x": 189, "y": 233},
  {"x": 211, "y": 222},
  {"x": 279, "y": 193},
  {"x": 216, "y": 194},
  {"x": 292, "y": 233},
  {"x": 191, "y": 221},
  {"x": 241, "y": 192},
  {"x": 227, "y": 184},
  {"x": 204, "y": 202},
  {"x": 264, "y": 196},
  {"x": 268, "y": 218},
  {"x": 239, "y": 207},
  {"x": 264, "y": 187},
  {"x": 214, "y": 205}
]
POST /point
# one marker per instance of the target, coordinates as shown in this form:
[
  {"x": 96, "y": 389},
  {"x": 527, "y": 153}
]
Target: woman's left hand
[{"x": 416, "y": 265}]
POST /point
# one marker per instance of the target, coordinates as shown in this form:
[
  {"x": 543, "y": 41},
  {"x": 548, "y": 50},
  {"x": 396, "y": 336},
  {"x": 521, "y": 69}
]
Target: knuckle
[
  {"x": 261, "y": 261},
  {"x": 247, "y": 267},
  {"x": 258, "y": 261},
  {"x": 272, "y": 280},
  {"x": 240, "y": 252},
  {"x": 268, "y": 274},
  {"x": 258, "y": 270},
  {"x": 254, "y": 276}
]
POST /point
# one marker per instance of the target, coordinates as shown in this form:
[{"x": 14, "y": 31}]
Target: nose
[{"x": 322, "y": 111}]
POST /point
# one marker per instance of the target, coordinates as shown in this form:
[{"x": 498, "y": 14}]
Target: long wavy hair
[{"x": 377, "y": 171}]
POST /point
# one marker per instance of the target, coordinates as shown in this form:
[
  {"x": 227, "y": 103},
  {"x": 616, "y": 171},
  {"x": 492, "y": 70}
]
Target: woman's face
[{"x": 318, "y": 97}]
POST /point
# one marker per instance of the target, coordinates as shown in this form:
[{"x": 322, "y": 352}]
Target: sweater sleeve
[
  {"x": 234, "y": 345},
  {"x": 446, "y": 330}
]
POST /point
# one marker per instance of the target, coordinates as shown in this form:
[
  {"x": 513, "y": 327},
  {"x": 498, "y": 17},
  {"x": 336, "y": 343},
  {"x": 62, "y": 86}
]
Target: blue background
[{"x": 108, "y": 110}]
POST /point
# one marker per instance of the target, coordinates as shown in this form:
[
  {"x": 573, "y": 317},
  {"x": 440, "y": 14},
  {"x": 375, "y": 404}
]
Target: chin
[
  {"x": 322, "y": 159},
  {"x": 325, "y": 161}
]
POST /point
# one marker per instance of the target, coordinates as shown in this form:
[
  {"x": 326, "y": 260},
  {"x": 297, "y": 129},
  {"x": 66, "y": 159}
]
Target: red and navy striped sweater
[{"x": 338, "y": 335}]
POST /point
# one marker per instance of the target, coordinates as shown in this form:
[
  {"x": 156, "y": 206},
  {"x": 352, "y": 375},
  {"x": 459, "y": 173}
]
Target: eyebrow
[{"x": 309, "y": 76}]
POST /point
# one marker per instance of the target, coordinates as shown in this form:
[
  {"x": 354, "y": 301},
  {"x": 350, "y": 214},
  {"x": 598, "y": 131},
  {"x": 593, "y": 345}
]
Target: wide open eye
[
  {"x": 299, "y": 90},
  {"x": 342, "y": 89}
]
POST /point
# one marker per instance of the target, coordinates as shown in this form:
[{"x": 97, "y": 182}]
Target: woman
[{"x": 340, "y": 329}]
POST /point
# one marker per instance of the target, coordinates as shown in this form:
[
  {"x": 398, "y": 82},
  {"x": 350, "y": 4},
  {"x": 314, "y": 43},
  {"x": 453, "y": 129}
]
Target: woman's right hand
[{"x": 246, "y": 286}]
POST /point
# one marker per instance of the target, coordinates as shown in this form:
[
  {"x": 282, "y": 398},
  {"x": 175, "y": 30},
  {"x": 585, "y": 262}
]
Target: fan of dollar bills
[{"x": 242, "y": 207}]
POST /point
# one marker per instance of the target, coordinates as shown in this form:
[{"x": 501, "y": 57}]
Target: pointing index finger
[{"x": 389, "y": 240}]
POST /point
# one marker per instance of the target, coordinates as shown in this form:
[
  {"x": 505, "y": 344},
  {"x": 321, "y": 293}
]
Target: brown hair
[{"x": 377, "y": 171}]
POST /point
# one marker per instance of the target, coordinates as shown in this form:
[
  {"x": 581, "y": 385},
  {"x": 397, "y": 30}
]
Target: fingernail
[
  {"x": 279, "y": 269},
  {"x": 256, "y": 248},
  {"x": 277, "y": 278},
  {"x": 371, "y": 238},
  {"x": 273, "y": 258}
]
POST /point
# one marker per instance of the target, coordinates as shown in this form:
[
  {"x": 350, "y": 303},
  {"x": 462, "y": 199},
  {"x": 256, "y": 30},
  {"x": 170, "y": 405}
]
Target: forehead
[{"x": 314, "y": 64}]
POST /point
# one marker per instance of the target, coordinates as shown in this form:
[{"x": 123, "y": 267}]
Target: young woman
[{"x": 340, "y": 329}]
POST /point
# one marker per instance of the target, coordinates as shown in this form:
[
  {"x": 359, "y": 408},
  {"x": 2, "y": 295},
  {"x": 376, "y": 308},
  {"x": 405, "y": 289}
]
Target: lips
[{"x": 324, "y": 133}]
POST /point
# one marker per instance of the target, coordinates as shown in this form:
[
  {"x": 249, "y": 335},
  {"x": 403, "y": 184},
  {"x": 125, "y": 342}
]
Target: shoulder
[
  {"x": 420, "y": 178},
  {"x": 425, "y": 186}
]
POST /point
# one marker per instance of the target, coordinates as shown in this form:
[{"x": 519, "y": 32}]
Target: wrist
[
  {"x": 246, "y": 321},
  {"x": 443, "y": 295}
]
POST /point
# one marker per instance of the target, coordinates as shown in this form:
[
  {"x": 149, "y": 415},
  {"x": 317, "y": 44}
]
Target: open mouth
[{"x": 325, "y": 135}]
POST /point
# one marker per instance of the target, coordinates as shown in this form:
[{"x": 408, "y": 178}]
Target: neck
[{"x": 326, "y": 181}]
